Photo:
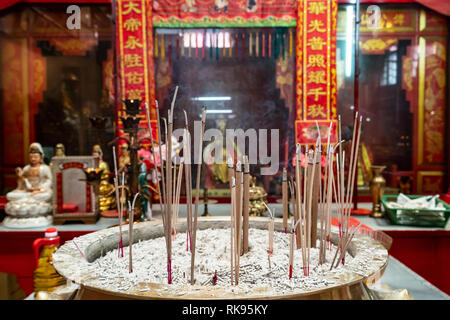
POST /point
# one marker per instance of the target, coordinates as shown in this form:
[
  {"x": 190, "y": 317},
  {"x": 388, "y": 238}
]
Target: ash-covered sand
[{"x": 256, "y": 274}]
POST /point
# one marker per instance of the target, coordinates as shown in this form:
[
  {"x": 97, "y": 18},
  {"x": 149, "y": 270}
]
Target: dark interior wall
[{"x": 388, "y": 122}]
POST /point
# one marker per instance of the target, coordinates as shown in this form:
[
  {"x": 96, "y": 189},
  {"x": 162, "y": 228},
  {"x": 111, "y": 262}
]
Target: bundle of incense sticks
[
  {"x": 312, "y": 194},
  {"x": 171, "y": 179},
  {"x": 344, "y": 207},
  {"x": 326, "y": 200},
  {"x": 239, "y": 217},
  {"x": 166, "y": 180}
]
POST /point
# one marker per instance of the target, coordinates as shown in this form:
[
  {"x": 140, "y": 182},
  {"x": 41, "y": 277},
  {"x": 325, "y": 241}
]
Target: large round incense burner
[{"x": 348, "y": 283}]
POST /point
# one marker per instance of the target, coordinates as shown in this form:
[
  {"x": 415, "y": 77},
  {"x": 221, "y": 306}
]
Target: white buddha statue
[{"x": 30, "y": 203}]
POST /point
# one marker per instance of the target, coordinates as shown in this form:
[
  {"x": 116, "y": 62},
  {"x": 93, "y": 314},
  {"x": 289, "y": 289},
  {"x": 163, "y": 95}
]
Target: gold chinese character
[
  {"x": 134, "y": 77},
  {"x": 316, "y": 43},
  {"x": 132, "y": 43},
  {"x": 316, "y": 110},
  {"x": 132, "y": 60},
  {"x": 316, "y": 25},
  {"x": 316, "y": 60},
  {"x": 135, "y": 93},
  {"x": 132, "y": 24},
  {"x": 316, "y": 7},
  {"x": 399, "y": 19},
  {"x": 317, "y": 77},
  {"x": 316, "y": 92},
  {"x": 131, "y": 6}
]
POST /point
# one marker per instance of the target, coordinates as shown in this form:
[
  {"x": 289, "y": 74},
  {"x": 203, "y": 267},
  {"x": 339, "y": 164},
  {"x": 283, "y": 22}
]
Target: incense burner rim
[{"x": 95, "y": 243}]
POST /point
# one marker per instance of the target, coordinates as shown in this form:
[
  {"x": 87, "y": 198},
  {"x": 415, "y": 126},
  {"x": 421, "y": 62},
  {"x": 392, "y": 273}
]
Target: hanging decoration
[
  {"x": 227, "y": 13},
  {"x": 316, "y": 67},
  {"x": 135, "y": 46}
]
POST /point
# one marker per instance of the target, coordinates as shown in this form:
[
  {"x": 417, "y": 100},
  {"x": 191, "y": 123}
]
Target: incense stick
[
  {"x": 187, "y": 178},
  {"x": 232, "y": 224},
  {"x": 177, "y": 198},
  {"x": 309, "y": 215},
  {"x": 239, "y": 182},
  {"x": 347, "y": 200},
  {"x": 298, "y": 194},
  {"x": 270, "y": 229},
  {"x": 284, "y": 195},
  {"x": 153, "y": 153},
  {"x": 169, "y": 196},
  {"x": 246, "y": 203},
  {"x": 317, "y": 190},
  {"x": 238, "y": 216},
  {"x": 291, "y": 246},
  {"x": 169, "y": 183},
  {"x": 230, "y": 170},
  {"x": 119, "y": 209},
  {"x": 199, "y": 168},
  {"x": 81, "y": 252},
  {"x": 130, "y": 231}
]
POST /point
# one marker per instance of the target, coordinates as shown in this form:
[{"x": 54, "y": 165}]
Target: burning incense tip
[{"x": 81, "y": 252}]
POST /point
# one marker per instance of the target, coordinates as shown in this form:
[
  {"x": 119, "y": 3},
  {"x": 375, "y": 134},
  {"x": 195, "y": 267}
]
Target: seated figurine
[
  {"x": 107, "y": 200},
  {"x": 34, "y": 191}
]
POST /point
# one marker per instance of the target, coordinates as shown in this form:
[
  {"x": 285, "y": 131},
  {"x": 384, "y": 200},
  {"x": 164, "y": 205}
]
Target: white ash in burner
[{"x": 213, "y": 254}]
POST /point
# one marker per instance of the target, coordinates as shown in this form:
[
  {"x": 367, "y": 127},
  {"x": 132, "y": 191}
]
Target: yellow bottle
[{"x": 45, "y": 276}]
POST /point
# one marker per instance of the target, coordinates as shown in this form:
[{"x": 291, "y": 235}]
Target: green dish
[{"x": 416, "y": 217}]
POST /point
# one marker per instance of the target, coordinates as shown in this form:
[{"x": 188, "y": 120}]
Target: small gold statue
[
  {"x": 107, "y": 200},
  {"x": 60, "y": 150},
  {"x": 257, "y": 197},
  {"x": 124, "y": 158}
]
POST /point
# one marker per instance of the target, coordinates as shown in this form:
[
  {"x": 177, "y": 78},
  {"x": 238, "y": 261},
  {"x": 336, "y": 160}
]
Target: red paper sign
[
  {"x": 316, "y": 77},
  {"x": 135, "y": 53}
]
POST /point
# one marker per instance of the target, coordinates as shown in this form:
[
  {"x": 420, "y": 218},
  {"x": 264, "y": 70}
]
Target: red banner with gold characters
[
  {"x": 316, "y": 70},
  {"x": 134, "y": 47}
]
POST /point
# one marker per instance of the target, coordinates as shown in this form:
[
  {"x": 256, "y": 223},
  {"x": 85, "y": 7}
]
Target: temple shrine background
[{"x": 53, "y": 79}]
